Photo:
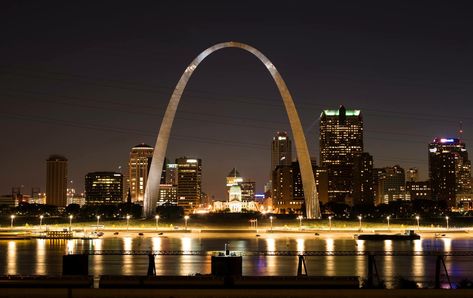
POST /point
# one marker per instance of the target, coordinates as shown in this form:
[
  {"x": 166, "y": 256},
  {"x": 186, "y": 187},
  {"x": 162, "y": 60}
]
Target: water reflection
[
  {"x": 44, "y": 256},
  {"x": 70, "y": 246},
  {"x": 300, "y": 246},
  {"x": 271, "y": 261},
  {"x": 388, "y": 268},
  {"x": 40, "y": 257},
  {"x": 127, "y": 267},
  {"x": 11, "y": 258},
  {"x": 360, "y": 262},
  {"x": 98, "y": 259},
  {"x": 418, "y": 261},
  {"x": 329, "y": 247},
  {"x": 185, "y": 262}
]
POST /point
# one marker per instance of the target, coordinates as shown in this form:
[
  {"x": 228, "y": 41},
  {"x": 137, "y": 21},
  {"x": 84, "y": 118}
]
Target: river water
[{"x": 44, "y": 257}]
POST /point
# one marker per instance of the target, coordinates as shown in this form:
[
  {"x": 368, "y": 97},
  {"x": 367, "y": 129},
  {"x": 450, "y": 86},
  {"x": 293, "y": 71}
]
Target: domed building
[{"x": 237, "y": 201}]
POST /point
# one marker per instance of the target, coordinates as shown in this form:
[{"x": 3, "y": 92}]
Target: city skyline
[{"x": 83, "y": 104}]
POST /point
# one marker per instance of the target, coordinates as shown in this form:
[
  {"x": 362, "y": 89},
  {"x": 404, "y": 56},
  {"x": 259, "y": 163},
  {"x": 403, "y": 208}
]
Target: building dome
[{"x": 234, "y": 194}]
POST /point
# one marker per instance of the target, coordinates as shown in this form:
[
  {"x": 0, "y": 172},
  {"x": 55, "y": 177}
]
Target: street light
[
  {"x": 70, "y": 222},
  {"x": 300, "y": 217},
  {"x": 418, "y": 226},
  {"x": 98, "y": 221},
  {"x": 388, "y": 218},
  {"x": 157, "y": 221},
  {"x": 40, "y": 221},
  {"x": 330, "y": 223},
  {"x": 127, "y": 222},
  {"x": 186, "y": 218},
  {"x": 271, "y": 220},
  {"x": 359, "y": 218},
  {"x": 446, "y": 219},
  {"x": 12, "y": 218}
]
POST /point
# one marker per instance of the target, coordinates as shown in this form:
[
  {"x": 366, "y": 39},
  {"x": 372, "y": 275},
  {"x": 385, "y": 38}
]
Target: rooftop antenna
[{"x": 460, "y": 130}]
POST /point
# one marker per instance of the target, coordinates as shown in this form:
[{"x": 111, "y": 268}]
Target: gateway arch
[{"x": 154, "y": 178}]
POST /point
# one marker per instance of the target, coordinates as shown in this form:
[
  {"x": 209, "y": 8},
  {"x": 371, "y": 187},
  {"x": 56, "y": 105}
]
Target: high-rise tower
[
  {"x": 281, "y": 150},
  {"x": 56, "y": 180},
  {"x": 449, "y": 169},
  {"x": 189, "y": 183},
  {"x": 341, "y": 139},
  {"x": 138, "y": 168}
]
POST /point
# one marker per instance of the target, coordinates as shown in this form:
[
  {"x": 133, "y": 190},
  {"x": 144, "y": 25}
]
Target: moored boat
[{"x": 408, "y": 235}]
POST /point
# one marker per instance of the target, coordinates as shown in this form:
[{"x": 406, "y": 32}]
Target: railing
[{"x": 280, "y": 253}]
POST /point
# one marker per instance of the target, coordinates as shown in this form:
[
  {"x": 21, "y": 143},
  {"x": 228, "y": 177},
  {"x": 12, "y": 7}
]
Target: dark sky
[{"x": 90, "y": 79}]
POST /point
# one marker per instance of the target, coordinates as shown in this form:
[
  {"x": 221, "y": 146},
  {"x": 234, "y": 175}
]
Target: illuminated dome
[{"x": 234, "y": 193}]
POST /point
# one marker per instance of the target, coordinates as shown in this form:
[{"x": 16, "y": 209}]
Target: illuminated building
[
  {"x": 233, "y": 178},
  {"x": 103, "y": 188},
  {"x": 412, "y": 174},
  {"x": 56, "y": 180},
  {"x": 281, "y": 150},
  {"x": 138, "y": 168},
  {"x": 391, "y": 184},
  {"x": 363, "y": 192},
  {"x": 419, "y": 190},
  {"x": 75, "y": 198},
  {"x": 288, "y": 190},
  {"x": 189, "y": 183},
  {"x": 248, "y": 189},
  {"x": 341, "y": 139},
  {"x": 449, "y": 170},
  {"x": 167, "y": 194},
  {"x": 171, "y": 174}
]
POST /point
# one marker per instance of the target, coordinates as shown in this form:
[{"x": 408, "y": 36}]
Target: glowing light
[
  {"x": 300, "y": 245},
  {"x": 347, "y": 112},
  {"x": 447, "y": 140},
  {"x": 191, "y": 161}
]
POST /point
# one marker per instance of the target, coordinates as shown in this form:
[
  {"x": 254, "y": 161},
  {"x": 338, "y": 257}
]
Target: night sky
[{"x": 89, "y": 81}]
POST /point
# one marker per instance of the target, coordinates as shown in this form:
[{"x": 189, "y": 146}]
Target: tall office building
[
  {"x": 103, "y": 188},
  {"x": 138, "y": 168},
  {"x": 341, "y": 139},
  {"x": 56, "y": 180},
  {"x": 363, "y": 192},
  {"x": 283, "y": 189},
  {"x": 391, "y": 184},
  {"x": 189, "y": 183},
  {"x": 288, "y": 189},
  {"x": 171, "y": 174},
  {"x": 449, "y": 170},
  {"x": 281, "y": 150}
]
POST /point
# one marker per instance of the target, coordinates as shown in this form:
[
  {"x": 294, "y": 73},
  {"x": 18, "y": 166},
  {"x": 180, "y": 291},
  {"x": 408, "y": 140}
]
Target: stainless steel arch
[{"x": 308, "y": 181}]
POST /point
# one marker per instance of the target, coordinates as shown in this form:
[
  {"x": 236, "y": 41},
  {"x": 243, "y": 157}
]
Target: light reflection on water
[
  {"x": 11, "y": 258},
  {"x": 45, "y": 256},
  {"x": 40, "y": 257}
]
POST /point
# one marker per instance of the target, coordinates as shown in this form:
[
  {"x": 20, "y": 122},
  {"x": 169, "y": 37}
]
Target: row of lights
[
  {"x": 12, "y": 217},
  {"x": 186, "y": 218}
]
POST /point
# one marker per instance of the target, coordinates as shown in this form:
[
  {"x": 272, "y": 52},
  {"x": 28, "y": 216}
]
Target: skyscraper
[
  {"x": 56, "y": 180},
  {"x": 189, "y": 182},
  {"x": 449, "y": 170},
  {"x": 341, "y": 139},
  {"x": 138, "y": 168},
  {"x": 281, "y": 150},
  {"x": 363, "y": 192},
  {"x": 103, "y": 188}
]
